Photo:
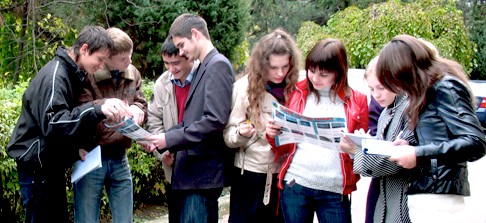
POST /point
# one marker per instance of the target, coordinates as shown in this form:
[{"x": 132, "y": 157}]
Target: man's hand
[
  {"x": 137, "y": 114},
  {"x": 82, "y": 154},
  {"x": 168, "y": 158},
  {"x": 158, "y": 140},
  {"x": 115, "y": 110}
]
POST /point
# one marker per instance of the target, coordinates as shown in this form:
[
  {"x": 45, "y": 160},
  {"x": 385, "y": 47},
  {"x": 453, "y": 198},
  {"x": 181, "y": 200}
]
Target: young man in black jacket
[{"x": 51, "y": 127}]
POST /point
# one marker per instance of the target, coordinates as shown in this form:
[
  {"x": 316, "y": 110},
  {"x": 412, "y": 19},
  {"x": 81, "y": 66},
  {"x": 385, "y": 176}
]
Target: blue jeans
[
  {"x": 195, "y": 206},
  {"x": 43, "y": 192},
  {"x": 115, "y": 176},
  {"x": 299, "y": 204}
]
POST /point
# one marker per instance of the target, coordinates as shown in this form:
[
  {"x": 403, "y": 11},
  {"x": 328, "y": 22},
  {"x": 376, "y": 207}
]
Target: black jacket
[
  {"x": 50, "y": 124},
  {"x": 449, "y": 135}
]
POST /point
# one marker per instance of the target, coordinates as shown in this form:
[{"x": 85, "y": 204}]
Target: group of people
[{"x": 211, "y": 132}]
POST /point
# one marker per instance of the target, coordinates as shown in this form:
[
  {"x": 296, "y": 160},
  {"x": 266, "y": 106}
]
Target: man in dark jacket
[
  {"x": 51, "y": 127},
  {"x": 202, "y": 160}
]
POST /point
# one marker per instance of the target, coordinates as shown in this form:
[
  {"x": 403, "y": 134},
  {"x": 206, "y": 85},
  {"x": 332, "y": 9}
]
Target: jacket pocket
[{"x": 33, "y": 152}]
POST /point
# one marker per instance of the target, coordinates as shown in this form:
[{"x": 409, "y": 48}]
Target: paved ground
[{"x": 475, "y": 204}]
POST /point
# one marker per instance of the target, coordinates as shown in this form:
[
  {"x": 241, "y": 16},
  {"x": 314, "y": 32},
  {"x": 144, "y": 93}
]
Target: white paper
[
  {"x": 357, "y": 138},
  {"x": 92, "y": 162},
  {"x": 378, "y": 147}
]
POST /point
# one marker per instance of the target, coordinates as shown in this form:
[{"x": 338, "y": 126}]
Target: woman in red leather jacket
[{"x": 314, "y": 179}]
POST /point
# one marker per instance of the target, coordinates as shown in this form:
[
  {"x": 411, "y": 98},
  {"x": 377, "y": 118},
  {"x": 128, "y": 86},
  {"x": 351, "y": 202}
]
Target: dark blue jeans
[
  {"x": 115, "y": 177},
  {"x": 196, "y": 206},
  {"x": 246, "y": 199},
  {"x": 43, "y": 192},
  {"x": 299, "y": 204}
]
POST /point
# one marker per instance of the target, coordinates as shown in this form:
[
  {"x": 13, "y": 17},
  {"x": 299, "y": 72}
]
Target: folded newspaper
[{"x": 130, "y": 129}]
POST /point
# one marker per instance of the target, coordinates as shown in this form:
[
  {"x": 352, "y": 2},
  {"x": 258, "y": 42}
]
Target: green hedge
[
  {"x": 367, "y": 30},
  {"x": 148, "y": 177}
]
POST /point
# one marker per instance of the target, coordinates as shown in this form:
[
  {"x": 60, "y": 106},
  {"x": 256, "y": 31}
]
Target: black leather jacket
[{"x": 449, "y": 135}]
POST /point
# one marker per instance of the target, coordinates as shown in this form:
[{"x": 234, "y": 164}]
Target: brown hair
[
  {"x": 329, "y": 55},
  {"x": 182, "y": 25},
  {"x": 122, "y": 42},
  {"x": 408, "y": 64},
  {"x": 277, "y": 42}
]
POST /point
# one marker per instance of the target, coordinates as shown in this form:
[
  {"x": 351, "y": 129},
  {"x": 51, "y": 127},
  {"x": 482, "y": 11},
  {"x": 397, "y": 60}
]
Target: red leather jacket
[{"x": 356, "y": 109}]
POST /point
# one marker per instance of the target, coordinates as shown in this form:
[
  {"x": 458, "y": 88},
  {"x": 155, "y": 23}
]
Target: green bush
[
  {"x": 10, "y": 105},
  {"x": 367, "y": 30}
]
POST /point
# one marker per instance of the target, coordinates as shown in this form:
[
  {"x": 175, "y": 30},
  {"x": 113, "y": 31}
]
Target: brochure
[
  {"x": 92, "y": 162},
  {"x": 131, "y": 130},
  {"x": 325, "y": 132}
]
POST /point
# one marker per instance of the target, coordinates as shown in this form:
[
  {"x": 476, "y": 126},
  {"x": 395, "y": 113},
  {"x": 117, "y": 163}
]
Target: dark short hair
[
  {"x": 329, "y": 55},
  {"x": 168, "y": 48},
  {"x": 95, "y": 37}
]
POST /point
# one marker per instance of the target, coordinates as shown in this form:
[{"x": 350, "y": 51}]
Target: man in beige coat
[{"x": 162, "y": 110}]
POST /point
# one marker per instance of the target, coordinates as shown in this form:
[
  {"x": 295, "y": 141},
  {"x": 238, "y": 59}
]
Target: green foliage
[
  {"x": 10, "y": 105},
  {"x": 367, "y": 30},
  {"x": 27, "y": 44},
  {"x": 474, "y": 17},
  {"x": 148, "y": 23},
  {"x": 308, "y": 36}
]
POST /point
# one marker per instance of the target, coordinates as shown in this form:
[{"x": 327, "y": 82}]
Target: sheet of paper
[
  {"x": 378, "y": 147},
  {"x": 92, "y": 162},
  {"x": 357, "y": 138}
]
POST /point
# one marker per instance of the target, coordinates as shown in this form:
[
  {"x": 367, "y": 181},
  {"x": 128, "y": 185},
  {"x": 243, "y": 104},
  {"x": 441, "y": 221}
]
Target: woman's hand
[
  {"x": 347, "y": 145},
  {"x": 273, "y": 129},
  {"x": 246, "y": 129},
  {"x": 405, "y": 157}
]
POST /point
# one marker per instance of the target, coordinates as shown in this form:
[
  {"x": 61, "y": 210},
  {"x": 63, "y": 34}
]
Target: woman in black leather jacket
[{"x": 448, "y": 132}]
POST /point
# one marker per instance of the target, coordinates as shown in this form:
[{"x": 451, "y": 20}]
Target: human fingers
[{"x": 82, "y": 154}]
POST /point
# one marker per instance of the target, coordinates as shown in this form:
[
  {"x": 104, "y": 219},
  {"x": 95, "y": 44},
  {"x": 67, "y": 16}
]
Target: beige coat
[
  {"x": 254, "y": 154},
  {"x": 162, "y": 112}
]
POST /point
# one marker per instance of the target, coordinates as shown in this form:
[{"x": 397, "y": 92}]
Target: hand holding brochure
[
  {"x": 131, "y": 130},
  {"x": 379, "y": 147},
  {"x": 92, "y": 162}
]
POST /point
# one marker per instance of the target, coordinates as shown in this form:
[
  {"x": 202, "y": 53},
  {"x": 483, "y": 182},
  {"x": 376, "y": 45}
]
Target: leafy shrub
[{"x": 367, "y": 30}]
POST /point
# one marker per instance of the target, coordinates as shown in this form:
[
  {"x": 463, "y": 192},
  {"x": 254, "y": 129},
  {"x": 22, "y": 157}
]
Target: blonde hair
[{"x": 122, "y": 42}]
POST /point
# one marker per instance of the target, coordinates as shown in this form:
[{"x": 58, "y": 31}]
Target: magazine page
[
  {"x": 130, "y": 129},
  {"x": 324, "y": 131}
]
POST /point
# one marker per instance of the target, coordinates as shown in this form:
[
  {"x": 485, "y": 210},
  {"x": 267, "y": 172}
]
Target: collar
[
  {"x": 104, "y": 74},
  {"x": 72, "y": 67},
  {"x": 189, "y": 77}
]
